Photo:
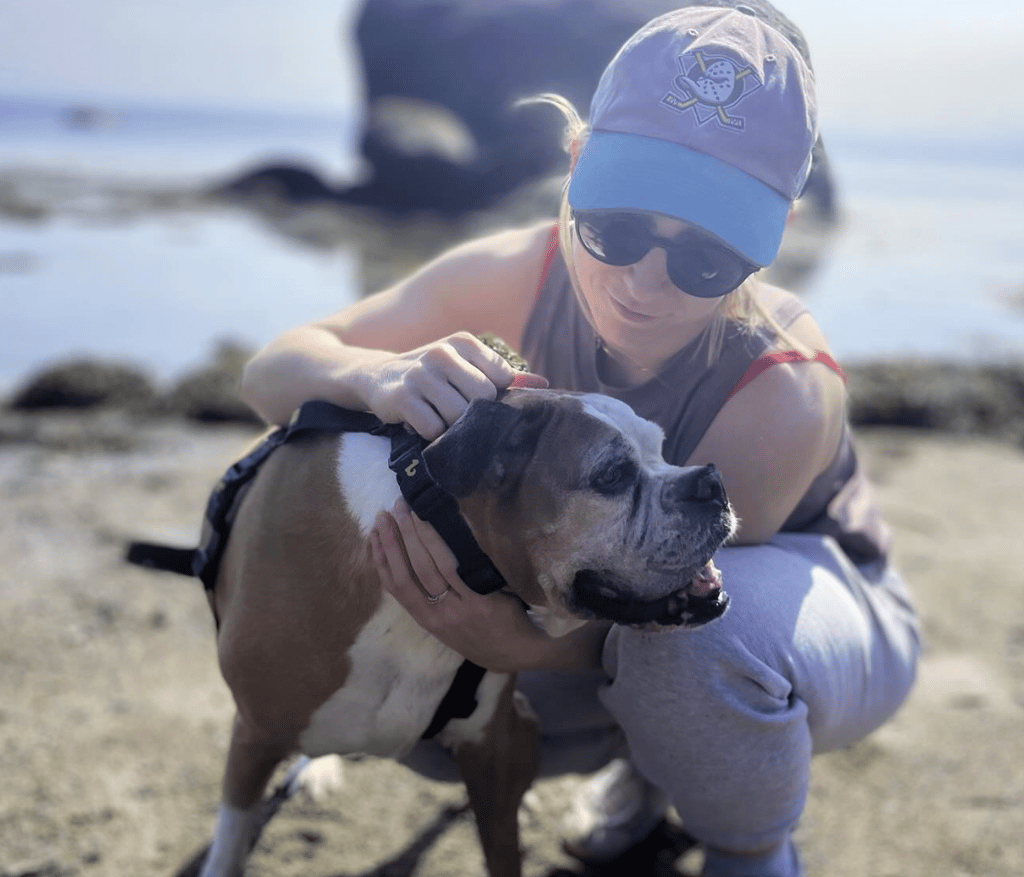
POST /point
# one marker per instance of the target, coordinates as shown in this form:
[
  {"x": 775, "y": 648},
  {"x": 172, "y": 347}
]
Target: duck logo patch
[{"x": 710, "y": 86}]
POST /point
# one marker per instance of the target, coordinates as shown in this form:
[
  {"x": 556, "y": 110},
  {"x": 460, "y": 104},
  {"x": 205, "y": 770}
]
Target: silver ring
[{"x": 432, "y": 599}]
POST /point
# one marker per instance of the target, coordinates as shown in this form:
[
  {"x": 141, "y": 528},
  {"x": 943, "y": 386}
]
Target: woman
[{"x": 699, "y": 141}]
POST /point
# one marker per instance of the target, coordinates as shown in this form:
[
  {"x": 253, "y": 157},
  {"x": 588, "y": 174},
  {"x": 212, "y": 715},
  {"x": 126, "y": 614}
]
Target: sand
[{"x": 114, "y": 720}]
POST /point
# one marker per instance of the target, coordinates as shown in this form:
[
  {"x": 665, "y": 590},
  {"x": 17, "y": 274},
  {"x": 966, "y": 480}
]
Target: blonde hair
[{"x": 741, "y": 306}]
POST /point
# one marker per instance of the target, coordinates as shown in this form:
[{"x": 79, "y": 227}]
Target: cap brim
[{"x": 618, "y": 171}]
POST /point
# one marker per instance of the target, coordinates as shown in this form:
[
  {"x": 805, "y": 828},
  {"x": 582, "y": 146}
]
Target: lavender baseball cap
[{"x": 707, "y": 115}]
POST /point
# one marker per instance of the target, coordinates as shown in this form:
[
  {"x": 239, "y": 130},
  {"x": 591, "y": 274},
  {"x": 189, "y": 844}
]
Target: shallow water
[
  {"x": 929, "y": 260},
  {"x": 157, "y": 290}
]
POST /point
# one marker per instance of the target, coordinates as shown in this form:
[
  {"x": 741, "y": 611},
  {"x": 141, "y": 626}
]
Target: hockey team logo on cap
[{"x": 710, "y": 86}]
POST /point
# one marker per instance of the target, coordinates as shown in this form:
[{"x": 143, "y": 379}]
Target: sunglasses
[{"x": 696, "y": 263}]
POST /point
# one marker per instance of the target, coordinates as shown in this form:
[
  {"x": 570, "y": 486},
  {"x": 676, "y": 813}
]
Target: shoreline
[{"x": 938, "y": 397}]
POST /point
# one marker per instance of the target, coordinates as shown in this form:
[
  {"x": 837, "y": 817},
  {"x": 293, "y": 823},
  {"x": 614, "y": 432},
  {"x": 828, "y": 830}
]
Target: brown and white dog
[{"x": 569, "y": 496}]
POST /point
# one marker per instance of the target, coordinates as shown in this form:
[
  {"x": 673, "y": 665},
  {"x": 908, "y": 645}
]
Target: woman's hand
[
  {"x": 419, "y": 570},
  {"x": 430, "y": 387}
]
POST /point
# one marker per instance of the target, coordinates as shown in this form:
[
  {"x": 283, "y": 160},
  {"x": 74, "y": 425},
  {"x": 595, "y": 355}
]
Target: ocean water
[
  {"x": 169, "y": 143},
  {"x": 929, "y": 260}
]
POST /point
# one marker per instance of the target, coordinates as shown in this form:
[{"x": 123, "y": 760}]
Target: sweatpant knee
[{"x": 717, "y": 728}]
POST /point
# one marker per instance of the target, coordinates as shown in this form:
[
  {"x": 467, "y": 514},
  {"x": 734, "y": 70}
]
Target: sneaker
[{"x": 613, "y": 811}]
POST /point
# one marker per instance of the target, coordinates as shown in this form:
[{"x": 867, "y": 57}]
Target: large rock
[
  {"x": 950, "y": 397},
  {"x": 442, "y": 79},
  {"x": 209, "y": 393},
  {"x": 85, "y": 383},
  {"x": 463, "y": 64}
]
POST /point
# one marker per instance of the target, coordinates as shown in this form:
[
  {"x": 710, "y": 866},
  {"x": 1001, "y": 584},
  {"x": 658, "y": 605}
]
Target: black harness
[{"x": 427, "y": 500}]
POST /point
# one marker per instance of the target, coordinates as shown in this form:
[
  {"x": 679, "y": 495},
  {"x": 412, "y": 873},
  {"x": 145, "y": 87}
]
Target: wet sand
[{"x": 114, "y": 720}]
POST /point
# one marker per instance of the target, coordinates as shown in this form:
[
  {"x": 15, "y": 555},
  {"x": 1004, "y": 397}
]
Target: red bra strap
[
  {"x": 770, "y": 359},
  {"x": 549, "y": 256}
]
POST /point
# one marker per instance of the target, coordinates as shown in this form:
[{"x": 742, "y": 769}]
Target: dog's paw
[{"x": 322, "y": 777}]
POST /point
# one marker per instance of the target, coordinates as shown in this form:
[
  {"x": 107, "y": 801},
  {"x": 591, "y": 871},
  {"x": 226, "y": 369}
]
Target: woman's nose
[{"x": 650, "y": 272}]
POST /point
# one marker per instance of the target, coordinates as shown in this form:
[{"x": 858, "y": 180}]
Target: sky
[
  {"x": 938, "y": 67},
  {"x": 276, "y": 54}
]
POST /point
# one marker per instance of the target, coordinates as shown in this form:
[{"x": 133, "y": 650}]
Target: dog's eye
[{"x": 615, "y": 477}]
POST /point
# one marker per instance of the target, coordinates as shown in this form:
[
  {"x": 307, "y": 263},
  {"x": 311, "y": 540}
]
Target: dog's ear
[{"x": 459, "y": 459}]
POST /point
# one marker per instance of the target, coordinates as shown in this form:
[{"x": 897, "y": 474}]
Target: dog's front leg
[
  {"x": 251, "y": 762},
  {"x": 498, "y": 762}
]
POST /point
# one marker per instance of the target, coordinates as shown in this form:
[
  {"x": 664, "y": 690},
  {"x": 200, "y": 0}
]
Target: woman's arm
[
  {"x": 773, "y": 438},
  {"x": 407, "y": 353}
]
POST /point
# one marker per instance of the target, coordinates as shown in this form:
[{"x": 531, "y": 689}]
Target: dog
[{"x": 569, "y": 497}]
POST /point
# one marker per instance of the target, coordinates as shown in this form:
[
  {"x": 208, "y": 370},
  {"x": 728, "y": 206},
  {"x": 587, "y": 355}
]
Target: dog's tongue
[{"x": 707, "y": 582}]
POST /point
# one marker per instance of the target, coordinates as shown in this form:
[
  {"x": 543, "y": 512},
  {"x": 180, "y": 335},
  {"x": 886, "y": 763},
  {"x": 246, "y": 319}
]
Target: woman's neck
[
  {"x": 617, "y": 371},
  {"x": 620, "y": 369}
]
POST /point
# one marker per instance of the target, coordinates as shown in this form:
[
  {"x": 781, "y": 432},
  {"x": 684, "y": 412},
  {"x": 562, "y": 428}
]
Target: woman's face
[{"x": 641, "y": 316}]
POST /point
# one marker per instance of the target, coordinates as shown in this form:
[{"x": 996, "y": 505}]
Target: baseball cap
[{"x": 707, "y": 115}]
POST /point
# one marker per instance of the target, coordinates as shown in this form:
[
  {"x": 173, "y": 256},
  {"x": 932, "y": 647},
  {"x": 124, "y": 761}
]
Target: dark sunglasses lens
[
  {"x": 706, "y": 270},
  {"x": 615, "y": 240}
]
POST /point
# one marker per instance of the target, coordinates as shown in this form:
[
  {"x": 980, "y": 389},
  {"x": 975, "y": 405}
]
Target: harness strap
[
  {"x": 439, "y": 508},
  {"x": 163, "y": 557},
  {"x": 429, "y": 501},
  {"x": 459, "y": 700},
  {"x": 314, "y": 416}
]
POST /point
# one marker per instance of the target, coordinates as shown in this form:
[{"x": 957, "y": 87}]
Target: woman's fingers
[
  {"x": 426, "y": 539},
  {"x": 408, "y": 570},
  {"x": 419, "y": 570},
  {"x": 431, "y": 387},
  {"x": 492, "y": 365},
  {"x": 423, "y": 419},
  {"x": 430, "y": 559},
  {"x": 459, "y": 371},
  {"x": 529, "y": 380}
]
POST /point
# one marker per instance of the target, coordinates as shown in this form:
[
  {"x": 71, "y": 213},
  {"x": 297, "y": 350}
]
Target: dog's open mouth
[{"x": 602, "y": 595}]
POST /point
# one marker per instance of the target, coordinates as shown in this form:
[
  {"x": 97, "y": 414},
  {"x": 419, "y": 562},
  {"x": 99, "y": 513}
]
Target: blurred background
[{"x": 172, "y": 174}]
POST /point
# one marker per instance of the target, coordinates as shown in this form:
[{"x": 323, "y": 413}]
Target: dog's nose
[{"x": 695, "y": 484}]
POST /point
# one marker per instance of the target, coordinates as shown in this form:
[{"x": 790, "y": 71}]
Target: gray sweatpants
[{"x": 811, "y": 656}]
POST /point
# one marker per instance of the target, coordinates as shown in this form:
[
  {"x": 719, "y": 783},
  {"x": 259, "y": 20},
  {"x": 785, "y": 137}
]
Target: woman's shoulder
[
  {"x": 493, "y": 280},
  {"x": 800, "y": 329},
  {"x": 784, "y": 306},
  {"x": 792, "y": 411},
  {"x": 509, "y": 250}
]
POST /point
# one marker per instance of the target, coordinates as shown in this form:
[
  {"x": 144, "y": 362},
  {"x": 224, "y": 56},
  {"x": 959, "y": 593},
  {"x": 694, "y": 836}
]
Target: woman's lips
[{"x": 629, "y": 314}]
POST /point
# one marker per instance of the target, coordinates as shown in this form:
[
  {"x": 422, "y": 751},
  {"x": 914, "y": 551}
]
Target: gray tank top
[{"x": 559, "y": 343}]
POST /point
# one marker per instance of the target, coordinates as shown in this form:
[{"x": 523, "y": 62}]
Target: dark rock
[
  {"x": 949, "y": 397},
  {"x": 274, "y": 182},
  {"x": 210, "y": 393},
  {"x": 209, "y": 396},
  {"x": 86, "y": 383},
  {"x": 442, "y": 77},
  {"x": 475, "y": 60}
]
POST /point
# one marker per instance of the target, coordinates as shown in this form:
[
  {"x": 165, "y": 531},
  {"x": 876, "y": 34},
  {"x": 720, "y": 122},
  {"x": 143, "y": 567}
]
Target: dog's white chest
[{"x": 399, "y": 673}]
